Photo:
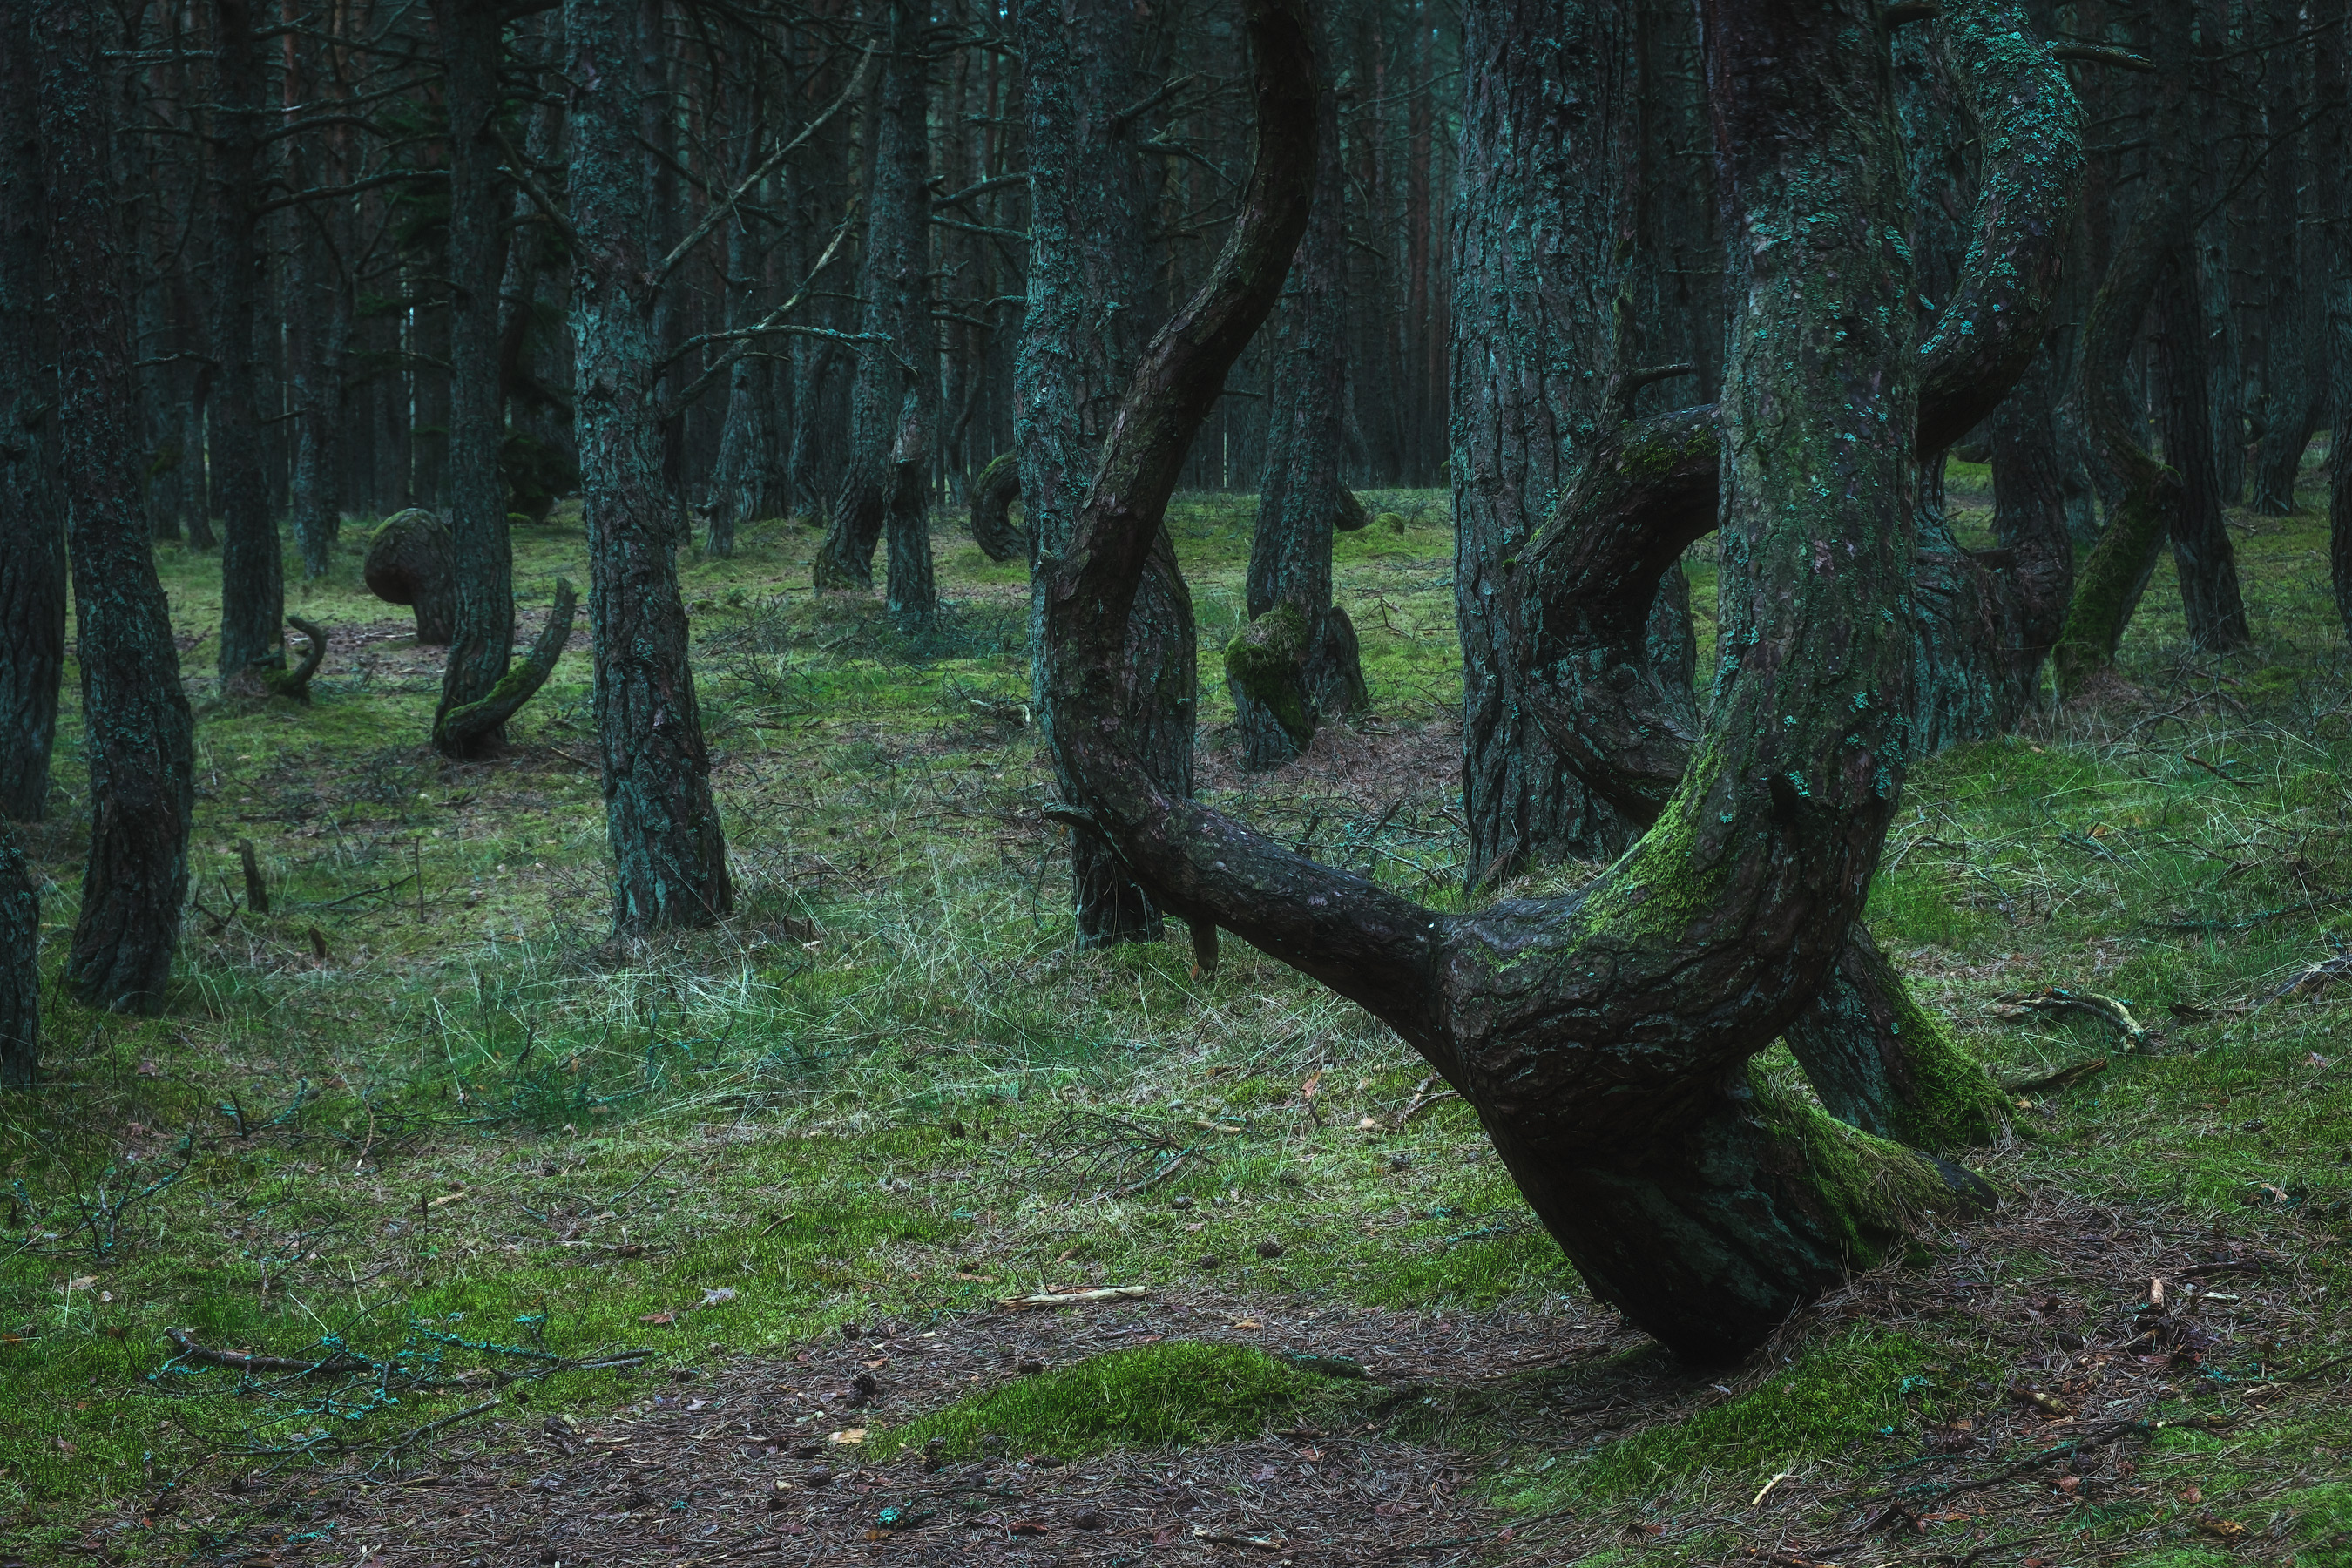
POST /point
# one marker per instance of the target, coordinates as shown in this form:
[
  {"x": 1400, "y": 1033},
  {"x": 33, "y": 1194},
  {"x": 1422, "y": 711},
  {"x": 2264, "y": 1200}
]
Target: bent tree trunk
[
  {"x": 142, "y": 736},
  {"x": 1296, "y": 666},
  {"x": 32, "y": 535},
  {"x": 481, "y": 555},
  {"x": 1077, "y": 349},
  {"x": 1604, "y": 1037},
  {"x": 669, "y": 855},
  {"x": 992, "y": 495}
]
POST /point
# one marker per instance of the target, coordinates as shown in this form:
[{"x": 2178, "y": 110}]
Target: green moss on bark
[{"x": 1263, "y": 663}]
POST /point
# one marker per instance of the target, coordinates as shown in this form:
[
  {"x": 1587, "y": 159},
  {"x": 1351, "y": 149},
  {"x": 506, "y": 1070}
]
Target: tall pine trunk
[
  {"x": 253, "y": 568},
  {"x": 141, "y": 734},
  {"x": 32, "y": 533},
  {"x": 1297, "y": 665},
  {"x": 481, "y": 556},
  {"x": 2205, "y": 564},
  {"x": 669, "y": 853}
]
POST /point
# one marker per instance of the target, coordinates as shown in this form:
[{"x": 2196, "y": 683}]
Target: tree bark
[
  {"x": 2295, "y": 376},
  {"x": 141, "y": 734},
  {"x": 32, "y": 536},
  {"x": 1296, "y": 666},
  {"x": 895, "y": 404},
  {"x": 20, "y": 898},
  {"x": 669, "y": 852},
  {"x": 1078, "y": 346},
  {"x": 253, "y": 569},
  {"x": 1602, "y": 1037},
  {"x": 2205, "y": 564},
  {"x": 481, "y": 555}
]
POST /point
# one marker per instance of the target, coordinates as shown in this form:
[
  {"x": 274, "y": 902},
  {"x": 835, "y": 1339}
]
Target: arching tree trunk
[
  {"x": 1077, "y": 347},
  {"x": 670, "y": 857},
  {"x": 481, "y": 555},
  {"x": 1602, "y": 1037},
  {"x": 895, "y": 404},
  {"x": 32, "y": 532},
  {"x": 253, "y": 570},
  {"x": 141, "y": 741}
]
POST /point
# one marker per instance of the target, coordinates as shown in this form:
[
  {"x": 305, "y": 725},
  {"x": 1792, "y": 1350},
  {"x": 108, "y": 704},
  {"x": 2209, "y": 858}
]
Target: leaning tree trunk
[
  {"x": 481, "y": 555},
  {"x": 1296, "y": 666},
  {"x": 669, "y": 852},
  {"x": 894, "y": 406},
  {"x": 32, "y": 535},
  {"x": 141, "y": 734},
  {"x": 1087, "y": 252},
  {"x": 1604, "y": 1037},
  {"x": 253, "y": 570}
]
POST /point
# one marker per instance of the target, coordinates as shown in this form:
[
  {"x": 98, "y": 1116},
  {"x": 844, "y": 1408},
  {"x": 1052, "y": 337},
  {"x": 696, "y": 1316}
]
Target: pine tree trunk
[
  {"x": 2204, "y": 562},
  {"x": 481, "y": 555},
  {"x": 32, "y": 533},
  {"x": 2295, "y": 378},
  {"x": 669, "y": 852},
  {"x": 253, "y": 569},
  {"x": 894, "y": 406},
  {"x": 322, "y": 306},
  {"x": 20, "y": 898},
  {"x": 139, "y": 731},
  {"x": 2331, "y": 79},
  {"x": 1297, "y": 665}
]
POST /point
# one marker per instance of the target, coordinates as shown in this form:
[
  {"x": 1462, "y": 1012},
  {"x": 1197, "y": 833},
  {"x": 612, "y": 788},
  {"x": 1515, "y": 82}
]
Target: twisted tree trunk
[
  {"x": 141, "y": 741},
  {"x": 1602, "y": 1037},
  {"x": 670, "y": 854}
]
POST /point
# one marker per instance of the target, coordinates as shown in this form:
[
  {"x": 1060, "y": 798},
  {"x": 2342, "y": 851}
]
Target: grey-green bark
[
  {"x": 1602, "y": 1037},
  {"x": 1081, "y": 64},
  {"x": 481, "y": 556},
  {"x": 31, "y": 530},
  {"x": 253, "y": 570},
  {"x": 669, "y": 853},
  {"x": 141, "y": 734},
  {"x": 1296, "y": 666},
  {"x": 895, "y": 400}
]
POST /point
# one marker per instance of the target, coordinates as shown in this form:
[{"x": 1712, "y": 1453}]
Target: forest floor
[{"x": 561, "y": 1249}]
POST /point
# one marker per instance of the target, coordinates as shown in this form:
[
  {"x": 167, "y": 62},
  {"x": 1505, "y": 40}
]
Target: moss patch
[{"x": 1171, "y": 1393}]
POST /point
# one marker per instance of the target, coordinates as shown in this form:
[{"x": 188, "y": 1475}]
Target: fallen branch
[
  {"x": 246, "y": 1361},
  {"x": 1078, "y": 1297},
  {"x": 2058, "y": 999},
  {"x": 2073, "y": 1072}
]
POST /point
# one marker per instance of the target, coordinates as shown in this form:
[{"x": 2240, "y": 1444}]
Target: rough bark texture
[
  {"x": 141, "y": 734},
  {"x": 481, "y": 556},
  {"x": 32, "y": 532},
  {"x": 992, "y": 495},
  {"x": 1533, "y": 228},
  {"x": 460, "y": 729},
  {"x": 20, "y": 899},
  {"x": 2329, "y": 78},
  {"x": 1602, "y": 1037},
  {"x": 670, "y": 856},
  {"x": 1881, "y": 1062},
  {"x": 2295, "y": 378},
  {"x": 2205, "y": 564},
  {"x": 894, "y": 402},
  {"x": 408, "y": 563},
  {"x": 1288, "y": 678},
  {"x": 2032, "y": 501},
  {"x": 1079, "y": 61},
  {"x": 253, "y": 570}
]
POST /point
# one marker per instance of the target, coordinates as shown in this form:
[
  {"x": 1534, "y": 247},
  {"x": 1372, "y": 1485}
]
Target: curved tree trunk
[
  {"x": 481, "y": 555},
  {"x": 992, "y": 495},
  {"x": 141, "y": 735},
  {"x": 1079, "y": 63},
  {"x": 1296, "y": 666},
  {"x": 253, "y": 570},
  {"x": 670, "y": 854},
  {"x": 1602, "y": 1037},
  {"x": 32, "y": 532}
]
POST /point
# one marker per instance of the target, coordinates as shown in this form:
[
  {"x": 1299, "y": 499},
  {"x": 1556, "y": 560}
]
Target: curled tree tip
[{"x": 477, "y": 722}]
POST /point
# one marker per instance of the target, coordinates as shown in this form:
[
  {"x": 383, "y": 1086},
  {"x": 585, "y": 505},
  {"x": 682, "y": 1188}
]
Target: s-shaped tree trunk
[
  {"x": 668, "y": 851},
  {"x": 142, "y": 736},
  {"x": 1604, "y": 1037}
]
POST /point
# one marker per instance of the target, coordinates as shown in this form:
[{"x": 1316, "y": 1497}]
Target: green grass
[
  {"x": 861, "y": 1088},
  {"x": 1152, "y": 1396}
]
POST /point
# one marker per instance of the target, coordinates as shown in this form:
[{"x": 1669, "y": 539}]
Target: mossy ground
[{"x": 460, "y": 1110}]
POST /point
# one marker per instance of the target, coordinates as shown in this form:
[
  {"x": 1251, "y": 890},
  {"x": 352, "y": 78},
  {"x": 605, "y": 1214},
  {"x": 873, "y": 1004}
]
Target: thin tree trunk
[
  {"x": 20, "y": 898},
  {"x": 253, "y": 569},
  {"x": 481, "y": 556},
  {"x": 32, "y": 535},
  {"x": 141, "y": 734},
  {"x": 669, "y": 852},
  {"x": 2295, "y": 378},
  {"x": 2332, "y": 79},
  {"x": 1296, "y": 665}
]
